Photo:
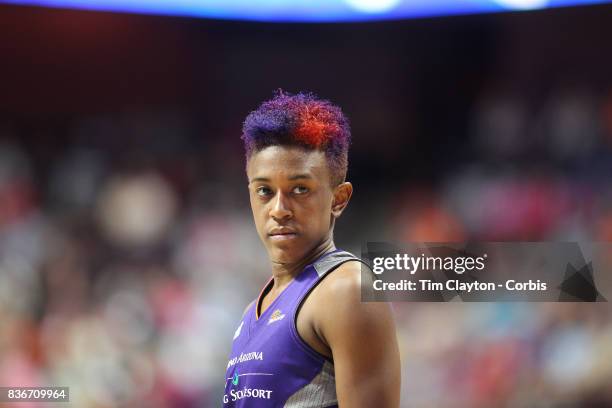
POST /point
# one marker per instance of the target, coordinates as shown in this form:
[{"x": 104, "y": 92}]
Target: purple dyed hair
[{"x": 300, "y": 120}]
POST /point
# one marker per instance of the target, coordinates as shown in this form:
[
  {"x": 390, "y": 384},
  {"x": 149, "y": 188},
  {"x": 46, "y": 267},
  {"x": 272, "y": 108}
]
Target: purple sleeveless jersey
[{"x": 270, "y": 365}]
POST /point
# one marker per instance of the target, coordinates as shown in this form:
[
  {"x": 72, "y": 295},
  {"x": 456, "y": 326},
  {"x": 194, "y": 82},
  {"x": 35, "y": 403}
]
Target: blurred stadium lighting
[
  {"x": 523, "y": 4},
  {"x": 305, "y": 10},
  {"x": 373, "y": 6}
]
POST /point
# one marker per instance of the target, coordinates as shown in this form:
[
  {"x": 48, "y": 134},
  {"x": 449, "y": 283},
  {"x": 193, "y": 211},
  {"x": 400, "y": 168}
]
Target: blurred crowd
[{"x": 128, "y": 253}]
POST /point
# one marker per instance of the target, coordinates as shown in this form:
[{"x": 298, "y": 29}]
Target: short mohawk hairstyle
[{"x": 302, "y": 120}]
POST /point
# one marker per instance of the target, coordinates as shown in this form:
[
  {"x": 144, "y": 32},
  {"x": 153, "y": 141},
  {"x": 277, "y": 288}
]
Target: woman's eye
[
  {"x": 300, "y": 190},
  {"x": 263, "y": 191}
]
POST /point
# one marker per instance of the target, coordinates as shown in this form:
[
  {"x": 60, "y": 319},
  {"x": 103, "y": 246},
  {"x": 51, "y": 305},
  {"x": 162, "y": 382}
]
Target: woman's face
[{"x": 291, "y": 198}]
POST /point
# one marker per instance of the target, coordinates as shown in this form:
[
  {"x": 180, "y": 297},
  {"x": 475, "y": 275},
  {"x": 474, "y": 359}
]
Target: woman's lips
[{"x": 283, "y": 236}]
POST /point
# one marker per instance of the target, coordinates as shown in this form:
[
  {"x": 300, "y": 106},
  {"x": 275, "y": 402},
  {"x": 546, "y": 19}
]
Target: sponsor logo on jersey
[
  {"x": 237, "y": 332},
  {"x": 276, "y": 316},
  {"x": 245, "y": 392},
  {"x": 235, "y": 395},
  {"x": 243, "y": 357}
]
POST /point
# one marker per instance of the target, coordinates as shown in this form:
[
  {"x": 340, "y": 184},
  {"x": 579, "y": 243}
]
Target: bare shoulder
[
  {"x": 345, "y": 281},
  {"x": 339, "y": 297}
]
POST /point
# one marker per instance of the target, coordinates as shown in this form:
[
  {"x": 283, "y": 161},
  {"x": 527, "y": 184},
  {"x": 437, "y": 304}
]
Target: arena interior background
[{"x": 127, "y": 249}]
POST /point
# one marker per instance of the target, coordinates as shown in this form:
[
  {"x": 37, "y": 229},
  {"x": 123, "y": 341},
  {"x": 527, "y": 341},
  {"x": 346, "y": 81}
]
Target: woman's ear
[{"x": 342, "y": 195}]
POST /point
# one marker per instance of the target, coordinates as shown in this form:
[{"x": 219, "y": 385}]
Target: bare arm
[{"x": 362, "y": 339}]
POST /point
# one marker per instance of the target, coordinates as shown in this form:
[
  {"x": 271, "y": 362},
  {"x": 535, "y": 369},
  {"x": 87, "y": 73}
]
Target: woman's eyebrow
[{"x": 291, "y": 178}]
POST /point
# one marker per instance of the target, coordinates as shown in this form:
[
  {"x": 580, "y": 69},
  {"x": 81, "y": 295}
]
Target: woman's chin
[{"x": 285, "y": 255}]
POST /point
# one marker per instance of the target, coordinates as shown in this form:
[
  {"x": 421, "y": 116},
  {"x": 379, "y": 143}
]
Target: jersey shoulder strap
[{"x": 330, "y": 262}]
